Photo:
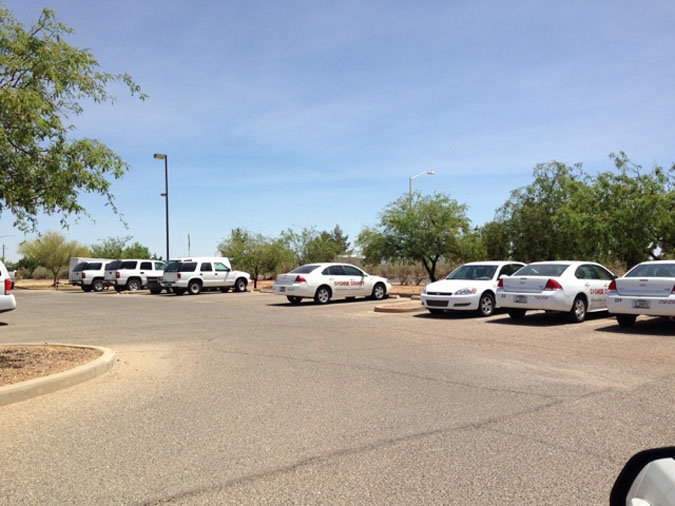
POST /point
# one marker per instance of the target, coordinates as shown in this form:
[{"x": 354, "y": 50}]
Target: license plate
[
  {"x": 641, "y": 304},
  {"x": 522, "y": 299},
  {"x": 282, "y": 289}
]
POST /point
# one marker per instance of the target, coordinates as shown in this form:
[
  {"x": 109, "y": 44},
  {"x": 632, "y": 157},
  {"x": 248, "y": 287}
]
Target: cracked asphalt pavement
[{"x": 244, "y": 399}]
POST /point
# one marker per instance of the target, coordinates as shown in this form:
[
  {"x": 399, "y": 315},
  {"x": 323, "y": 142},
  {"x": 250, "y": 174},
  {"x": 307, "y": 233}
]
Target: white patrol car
[
  {"x": 199, "y": 273},
  {"x": 470, "y": 287},
  {"x": 89, "y": 275},
  {"x": 648, "y": 288},
  {"x": 324, "y": 281},
  {"x": 568, "y": 286},
  {"x": 131, "y": 274},
  {"x": 7, "y": 301}
]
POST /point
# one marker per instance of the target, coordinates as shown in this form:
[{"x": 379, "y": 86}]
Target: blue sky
[{"x": 301, "y": 113}]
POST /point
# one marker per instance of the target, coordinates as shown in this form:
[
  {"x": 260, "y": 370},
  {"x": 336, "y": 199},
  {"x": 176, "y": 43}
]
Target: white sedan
[
  {"x": 326, "y": 281},
  {"x": 648, "y": 288},
  {"x": 7, "y": 301},
  {"x": 470, "y": 287},
  {"x": 568, "y": 286}
]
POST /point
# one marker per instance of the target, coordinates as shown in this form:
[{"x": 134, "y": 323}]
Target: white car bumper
[
  {"x": 294, "y": 290},
  {"x": 7, "y": 303},
  {"x": 653, "y": 306},
  {"x": 553, "y": 300},
  {"x": 452, "y": 302}
]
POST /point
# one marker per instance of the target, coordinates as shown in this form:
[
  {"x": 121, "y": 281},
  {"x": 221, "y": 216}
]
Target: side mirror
[{"x": 647, "y": 479}]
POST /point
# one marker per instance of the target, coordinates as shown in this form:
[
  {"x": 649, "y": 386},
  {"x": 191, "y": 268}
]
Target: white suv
[
  {"x": 7, "y": 301},
  {"x": 199, "y": 273},
  {"x": 90, "y": 275},
  {"x": 131, "y": 274}
]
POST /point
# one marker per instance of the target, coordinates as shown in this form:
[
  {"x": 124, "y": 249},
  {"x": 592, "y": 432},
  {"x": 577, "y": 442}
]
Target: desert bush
[{"x": 41, "y": 273}]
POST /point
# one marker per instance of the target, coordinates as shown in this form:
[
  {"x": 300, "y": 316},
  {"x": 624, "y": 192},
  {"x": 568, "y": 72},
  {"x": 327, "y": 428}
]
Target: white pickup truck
[
  {"x": 131, "y": 274},
  {"x": 203, "y": 273}
]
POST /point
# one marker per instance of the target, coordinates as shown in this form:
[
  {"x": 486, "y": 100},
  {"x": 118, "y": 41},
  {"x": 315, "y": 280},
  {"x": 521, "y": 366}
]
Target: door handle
[
  {"x": 142, "y": 272},
  {"x": 588, "y": 284}
]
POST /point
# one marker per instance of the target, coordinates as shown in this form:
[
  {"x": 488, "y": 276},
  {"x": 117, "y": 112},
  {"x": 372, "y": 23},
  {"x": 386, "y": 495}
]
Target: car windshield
[
  {"x": 80, "y": 267},
  {"x": 542, "y": 270},
  {"x": 474, "y": 272},
  {"x": 172, "y": 266},
  {"x": 305, "y": 269},
  {"x": 652, "y": 271}
]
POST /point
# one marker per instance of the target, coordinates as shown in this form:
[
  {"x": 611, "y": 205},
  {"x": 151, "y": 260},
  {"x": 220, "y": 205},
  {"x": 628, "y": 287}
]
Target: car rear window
[
  {"x": 542, "y": 270},
  {"x": 93, "y": 266},
  {"x": 305, "y": 269},
  {"x": 111, "y": 266},
  {"x": 187, "y": 267},
  {"x": 128, "y": 265},
  {"x": 652, "y": 271},
  {"x": 80, "y": 267},
  {"x": 172, "y": 266}
]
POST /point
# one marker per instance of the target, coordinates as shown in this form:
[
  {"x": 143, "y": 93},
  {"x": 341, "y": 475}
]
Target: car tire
[
  {"x": 179, "y": 291},
  {"x": 86, "y": 289},
  {"x": 379, "y": 292},
  {"x": 436, "y": 311},
  {"x": 294, "y": 300},
  {"x": 322, "y": 295},
  {"x": 224, "y": 289},
  {"x": 517, "y": 314},
  {"x": 486, "y": 304},
  {"x": 194, "y": 287},
  {"x": 579, "y": 308},
  {"x": 240, "y": 285},
  {"x": 626, "y": 320},
  {"x": 155, "y": 291},
  {"x": 350, "y": 298},
  {"x": 133, "y": 285},
  {"x": 98, "y": 285},
  {"x": 118, "y": 289}
]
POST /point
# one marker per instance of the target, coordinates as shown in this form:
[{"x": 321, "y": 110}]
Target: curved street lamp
[{"x": 410, "y": 180}]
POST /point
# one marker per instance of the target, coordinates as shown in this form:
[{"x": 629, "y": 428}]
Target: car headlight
[
  {"x": 466, "y": 291},
  {"x": 424, "y": 290}
]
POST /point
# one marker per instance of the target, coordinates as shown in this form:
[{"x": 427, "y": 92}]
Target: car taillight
[
  {"x": 300, "y": 279},
  {"x": 117, "y": 274},
  {"x": 673, "y": 290},
  {"x": 178, "y": 275},
  {"x": 500, "y": 283},
  {"x": 83, "y": 276},
  {"x": 8, "y": 285},
  {"x": 552, "y": 284},
  {"x": 612, "y": 286}
]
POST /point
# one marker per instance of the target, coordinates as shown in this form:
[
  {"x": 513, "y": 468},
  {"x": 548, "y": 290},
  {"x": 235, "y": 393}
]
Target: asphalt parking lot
[{"x": 245, "y": 399}]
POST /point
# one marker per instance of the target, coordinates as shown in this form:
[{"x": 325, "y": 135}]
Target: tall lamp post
[
  {"x": 161, "y": 156},
  {"x": 410, "y": 180}
]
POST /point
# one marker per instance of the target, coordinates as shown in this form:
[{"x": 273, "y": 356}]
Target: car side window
[
  {"x": 585, "y": 272},
  {"x": 601, "y": 273},
  {"x": 146, "y": 265},
  {"x": 206, "y": 267},
  {"x": 335, "y": 270},
  {"x": 220, "y": 267},
  {"x": 159, "y": 266},
  {"x": 352, "y": 271}
]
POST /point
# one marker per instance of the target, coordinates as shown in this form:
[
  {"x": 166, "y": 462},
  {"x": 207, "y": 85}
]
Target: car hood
[{"x": 452, "y": 285}]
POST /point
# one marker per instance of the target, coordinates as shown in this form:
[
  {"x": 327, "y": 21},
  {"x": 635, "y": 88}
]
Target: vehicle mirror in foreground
[{"x": 647, "y": 479}]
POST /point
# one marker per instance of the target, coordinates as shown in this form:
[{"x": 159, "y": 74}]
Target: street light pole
[
  {"x": 161, "y": 156},
  {"x": 410, "y": 180}
]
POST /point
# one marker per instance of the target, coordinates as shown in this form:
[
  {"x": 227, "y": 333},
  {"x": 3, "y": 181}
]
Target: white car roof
[
  {"x": 657, "y": 262},
  {"x": 494, "y": 262}
]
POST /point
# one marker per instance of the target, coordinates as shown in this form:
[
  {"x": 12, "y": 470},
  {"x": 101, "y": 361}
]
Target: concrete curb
[
  {"x": 399, "y": 307},
  {"x": 47, "y": 384}
]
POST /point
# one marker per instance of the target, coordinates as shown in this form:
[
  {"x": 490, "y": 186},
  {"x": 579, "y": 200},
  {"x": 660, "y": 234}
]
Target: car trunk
[
  {"x": 647, "y": 287},
  {"x": 525, "y": 284},
  {"x": 286, "y": 279}
]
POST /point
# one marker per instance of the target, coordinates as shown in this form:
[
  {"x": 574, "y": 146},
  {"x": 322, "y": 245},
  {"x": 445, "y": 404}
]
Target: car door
[
  {"x": 357, "y": 281},
  {"x": 221, "y": 274},
  {"x": 145, "y": 270},
  {"x": 602, "y": 278},
  {"x": 588, "y": 284},
  {"x": 207, "y": 275},
  {"x": 337, "y": 280}
]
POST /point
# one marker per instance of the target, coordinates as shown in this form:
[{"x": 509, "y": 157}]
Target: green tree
[
  {"x": 637, "y": 209},
  {"x": 43, "y": 81},
  {"x": 428, "y": 229},
  {"x": 119, "y": 247},
  {"x": 554, "y": 217},
  {"x": 52, "y": 251},
  {"x": 495, "y": 238},
  {"x": 308, "y": 245},
  {"x": 254, "y": 252}
]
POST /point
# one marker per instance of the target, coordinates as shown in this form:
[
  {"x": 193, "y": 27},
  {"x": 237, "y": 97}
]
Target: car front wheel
[
  {"x": 379, "y": 292},
  {"x": 240, "y": 285},
  {"x": 486, "y": 305}
]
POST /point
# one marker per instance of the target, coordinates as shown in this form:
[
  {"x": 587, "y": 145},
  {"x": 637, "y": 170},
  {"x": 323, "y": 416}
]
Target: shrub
[{"x": 41, "y": 273}]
